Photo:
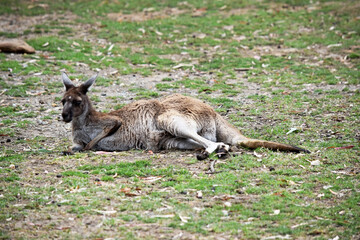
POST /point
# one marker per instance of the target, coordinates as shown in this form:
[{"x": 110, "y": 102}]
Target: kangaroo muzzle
[
  {"x": 67, "y": 114},
  {"x": 67, "y": 117}
]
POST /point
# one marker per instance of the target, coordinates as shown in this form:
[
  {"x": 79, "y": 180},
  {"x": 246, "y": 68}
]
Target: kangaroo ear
[
  {"x": 86, "y": 85},
  {"x": 66, "y": 81}
]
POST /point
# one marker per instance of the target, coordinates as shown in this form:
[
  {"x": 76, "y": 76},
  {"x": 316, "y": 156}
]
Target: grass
[{"x": 267, "y": 68}]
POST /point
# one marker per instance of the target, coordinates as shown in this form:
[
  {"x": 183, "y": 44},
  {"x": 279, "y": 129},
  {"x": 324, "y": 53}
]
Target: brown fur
[{"x": 173, "y": 122}]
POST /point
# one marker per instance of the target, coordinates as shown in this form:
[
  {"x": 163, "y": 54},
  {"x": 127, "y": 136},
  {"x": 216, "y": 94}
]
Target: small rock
[
  {"x": 59, "y": 176},
  {"x": 8, "y": 140},
  {"x": 271, "y": 169},
  {"x": 16, "y": 46}
]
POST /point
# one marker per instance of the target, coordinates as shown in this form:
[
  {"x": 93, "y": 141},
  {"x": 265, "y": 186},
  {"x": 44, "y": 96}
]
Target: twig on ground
[{"x": 212, "y": 167}]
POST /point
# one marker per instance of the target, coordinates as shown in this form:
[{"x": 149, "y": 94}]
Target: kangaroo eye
[{"x": 77, "y": 103}]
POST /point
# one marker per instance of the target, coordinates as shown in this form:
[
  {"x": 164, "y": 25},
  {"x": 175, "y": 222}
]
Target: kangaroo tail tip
[{"x": 300, "y": 150}]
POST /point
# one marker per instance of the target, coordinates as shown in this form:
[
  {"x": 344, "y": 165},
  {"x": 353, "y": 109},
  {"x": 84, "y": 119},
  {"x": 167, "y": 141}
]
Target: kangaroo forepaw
[{"x": 221, "y": 150}]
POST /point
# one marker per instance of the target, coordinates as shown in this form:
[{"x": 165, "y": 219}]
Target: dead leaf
[
  {"x": 158, "y": 33},
  {"x": 320, "y": 195},
  {"x": 114, "y": 72},
  {"x": 277, "y": 237},
  {"x": 279, "y": 194},
  {"x": 333, "y": 192},
  {"x": 35, "y": 94},
  {"x": 229, "y": 27},
  {"x": 111, "y": 47},
  {"x": 258, "y": 155},
  {"x": 298, "y": 225},
  {"x": 163, "y": 216},
  {"x": 292, "y": 130},
  {"x": 131, "y": 194},
  {"x": 184, "y": 219},
  {"x": 292, "y": 182},
  {"x": 334, "y": 45},
  {"x": 125, "y": 190},
  {"x": 151, "y": 179},
  {"x": 317, "y": 232},
  {"x": 239, "y": 38},
  {"x": 75, "y": 44},
  {"x": 105, "y": 212},
  {"x": 224, "y": 197},
  {"x": 276, "y": 212},
  {"x": 181, "y": 65},
  {"x": 199, "y": 12},
  {"x": 63, "y": 228}
]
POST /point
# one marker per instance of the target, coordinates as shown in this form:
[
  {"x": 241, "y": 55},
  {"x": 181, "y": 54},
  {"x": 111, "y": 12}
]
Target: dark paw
[
  {"x": 67, "y": 153},
  {"x": 222, "y": 153},
  {"x": 76, "y": 149},
  {"x": 202, "y": 156}
]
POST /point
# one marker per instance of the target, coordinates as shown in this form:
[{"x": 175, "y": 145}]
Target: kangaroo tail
[{"x": 254, "y": 143}]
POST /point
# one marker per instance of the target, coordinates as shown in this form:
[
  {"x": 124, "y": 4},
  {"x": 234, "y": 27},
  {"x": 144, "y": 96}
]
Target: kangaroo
[{"x": 173, "y": 122}]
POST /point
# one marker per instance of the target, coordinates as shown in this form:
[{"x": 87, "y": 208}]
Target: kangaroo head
[{"x": 75, "y": 100}]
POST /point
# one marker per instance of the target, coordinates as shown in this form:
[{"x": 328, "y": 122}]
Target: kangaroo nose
[{"x": 67, "y": 117}]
